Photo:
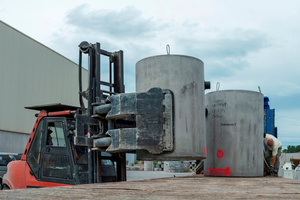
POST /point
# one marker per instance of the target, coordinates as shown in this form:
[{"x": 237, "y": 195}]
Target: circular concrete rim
[
  {"x": 242, "y": 91},
  {"x": 170, "y": 55}
]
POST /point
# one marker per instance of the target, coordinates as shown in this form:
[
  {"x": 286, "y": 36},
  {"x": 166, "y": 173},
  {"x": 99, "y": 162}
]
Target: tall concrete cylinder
[
  {"x": 235, "y": 129},
  {"x": 184, "y": 76}
]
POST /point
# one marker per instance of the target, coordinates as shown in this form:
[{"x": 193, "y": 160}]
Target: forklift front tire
[{"x": 5, "y": 187}]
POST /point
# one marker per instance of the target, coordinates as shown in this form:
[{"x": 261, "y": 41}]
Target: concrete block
[{"x": 288, "y": 174}]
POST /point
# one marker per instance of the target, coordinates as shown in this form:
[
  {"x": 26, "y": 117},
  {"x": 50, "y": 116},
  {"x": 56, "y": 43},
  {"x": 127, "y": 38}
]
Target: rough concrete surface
[
  {"x": 142, "y": 175},
  {"x": 188, "y": 187}
]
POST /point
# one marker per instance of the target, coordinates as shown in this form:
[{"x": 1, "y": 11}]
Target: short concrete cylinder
[
  {"x": 184, "y": 76},
  {"x": 148, "y": 165},
  {"x": 234, "y": 133}
]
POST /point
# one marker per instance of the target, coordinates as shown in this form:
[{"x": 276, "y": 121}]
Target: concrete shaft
[
  {"x": 184, "y": 76},
  {"x": 234, "y": 133}
]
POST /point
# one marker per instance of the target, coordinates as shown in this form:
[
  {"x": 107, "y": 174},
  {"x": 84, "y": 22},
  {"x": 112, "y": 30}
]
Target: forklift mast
[{"x": 95, "y": 124}]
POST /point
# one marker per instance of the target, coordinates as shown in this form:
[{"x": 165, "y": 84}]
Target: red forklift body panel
[
  {"x": 40, "y": 116},
  {"x": 15, "y": 175},
  {"x": 18, "y": 177}
]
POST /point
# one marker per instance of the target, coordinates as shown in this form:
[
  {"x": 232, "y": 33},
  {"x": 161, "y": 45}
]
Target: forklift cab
[
  {"x": 50, "y": 155},
  {"x": 53, "y": 157}
]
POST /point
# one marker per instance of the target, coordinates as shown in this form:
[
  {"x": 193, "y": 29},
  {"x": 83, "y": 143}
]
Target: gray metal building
[{"x": 30, "y": 74}]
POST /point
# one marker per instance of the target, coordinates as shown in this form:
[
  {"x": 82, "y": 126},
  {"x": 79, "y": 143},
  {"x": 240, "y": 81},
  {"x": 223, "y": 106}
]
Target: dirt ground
[{"x": 188, "y": 187}]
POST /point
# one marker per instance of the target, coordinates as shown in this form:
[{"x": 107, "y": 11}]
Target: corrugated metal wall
[
  {"x": 32, "y": 74},
  {"x": 13, "y": 142}
]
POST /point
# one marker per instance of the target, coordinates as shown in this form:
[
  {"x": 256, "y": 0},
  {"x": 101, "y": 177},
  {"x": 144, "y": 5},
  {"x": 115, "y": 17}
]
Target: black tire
[{"x": 5, "y": 187}]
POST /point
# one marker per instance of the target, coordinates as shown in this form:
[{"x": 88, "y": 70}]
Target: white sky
[{"x": 243, "y": 44}]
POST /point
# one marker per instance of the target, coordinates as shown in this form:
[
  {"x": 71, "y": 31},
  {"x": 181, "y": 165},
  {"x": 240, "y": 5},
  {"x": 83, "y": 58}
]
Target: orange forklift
[{"x": 79, "y": 145}]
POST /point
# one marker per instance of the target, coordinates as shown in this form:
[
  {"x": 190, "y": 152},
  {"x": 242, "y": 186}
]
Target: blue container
[{"x": 269, "y": 119}]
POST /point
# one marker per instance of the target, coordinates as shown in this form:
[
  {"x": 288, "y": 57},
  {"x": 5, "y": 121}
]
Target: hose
[
  {"x": 80, "y": 83},
  {"x": 272, "y": 173}
]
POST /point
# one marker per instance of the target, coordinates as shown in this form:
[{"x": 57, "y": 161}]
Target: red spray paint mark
[
  {"x": 218, "y": 172},
  {"x": 220, "y": 153},
  {"x": 205, "y": 152}
]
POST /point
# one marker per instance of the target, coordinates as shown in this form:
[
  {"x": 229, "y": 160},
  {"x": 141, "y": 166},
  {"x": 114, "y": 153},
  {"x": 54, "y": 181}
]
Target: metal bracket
[
  {"x": 154, "y": 131},
  {"x": 80, "y": 138}
]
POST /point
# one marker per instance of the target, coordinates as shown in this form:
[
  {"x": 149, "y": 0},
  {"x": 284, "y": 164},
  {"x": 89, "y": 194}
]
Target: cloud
[
  {"x": 124, "y": 29},
  {"x": 125, "y": 23},
  {"x": 288, "y": 125},
  {"x": 224, "y": 52},
  {"x": 288, "y": 103},
  {"x": 220, "y": 44}
]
